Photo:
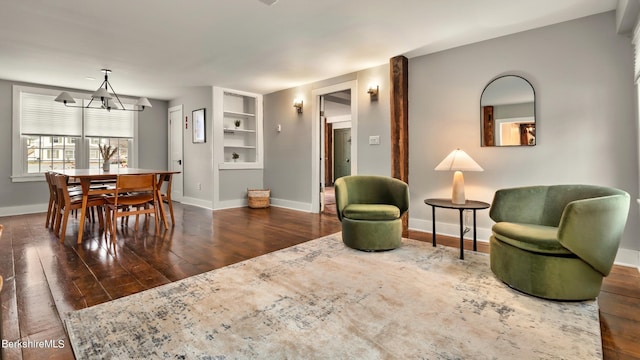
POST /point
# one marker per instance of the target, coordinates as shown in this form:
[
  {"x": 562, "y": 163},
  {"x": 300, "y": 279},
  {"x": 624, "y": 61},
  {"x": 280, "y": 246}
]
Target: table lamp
[{"x": 458, "y": 161}]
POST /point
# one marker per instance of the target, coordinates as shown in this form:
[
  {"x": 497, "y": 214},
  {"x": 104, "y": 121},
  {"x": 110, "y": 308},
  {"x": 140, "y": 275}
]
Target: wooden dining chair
[
  {"x": 68, "y": 203},
  {"x": 52, "y": 199},
  {"x": 165, "y": 196},
  {"x": 134, "y": 195},
  {"x": 52, "y": 209}
]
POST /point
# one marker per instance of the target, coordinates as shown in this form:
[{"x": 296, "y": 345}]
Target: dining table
[{"x": 89, "y": 176}]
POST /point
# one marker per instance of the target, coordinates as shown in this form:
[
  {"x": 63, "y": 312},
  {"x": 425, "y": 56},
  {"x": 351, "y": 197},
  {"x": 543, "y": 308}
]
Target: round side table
[{"x": 447, "y": 204}]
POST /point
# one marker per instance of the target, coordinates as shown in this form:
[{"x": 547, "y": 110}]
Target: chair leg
[
  {"x": 49, "y": 212},
  {"x": 107, "y": 218},
  {"x": 100, "y": 218},
  {"x": 170, "y": 203},
  {"x": 63, "y": 231},
  {"x": 54, "y": 217},
  {"x": 137, "y": 222},
  {"x": 58, "y": 221},
  {"x": 156, "y": 215},
  {"x": 114, "y": 221}
]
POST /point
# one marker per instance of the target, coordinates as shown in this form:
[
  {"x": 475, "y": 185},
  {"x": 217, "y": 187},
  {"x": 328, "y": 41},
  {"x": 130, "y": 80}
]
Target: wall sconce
[
  {"x": 297, "y": 103},
  {"x": 373, "y": 92}
]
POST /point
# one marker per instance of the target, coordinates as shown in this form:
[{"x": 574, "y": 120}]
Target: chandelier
[{"x": 106, "y": 100}]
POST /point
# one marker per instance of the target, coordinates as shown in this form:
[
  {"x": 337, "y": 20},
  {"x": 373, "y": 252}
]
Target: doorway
[
  {"x": 334, "y": 141},
  {"x": 175, "y": 152}
]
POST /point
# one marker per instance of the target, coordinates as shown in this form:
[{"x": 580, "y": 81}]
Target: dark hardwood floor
[{"x": 44, "y": 279}]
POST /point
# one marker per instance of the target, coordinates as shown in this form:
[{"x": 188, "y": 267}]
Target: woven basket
[{"x": 258, "y": 198}]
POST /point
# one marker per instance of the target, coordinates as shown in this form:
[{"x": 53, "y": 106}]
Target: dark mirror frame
[{"x": 512, "y": 109}]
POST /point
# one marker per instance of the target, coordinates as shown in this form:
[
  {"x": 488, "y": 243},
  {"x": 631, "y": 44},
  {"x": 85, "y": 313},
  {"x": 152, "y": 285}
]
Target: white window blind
[
  {"x": 41, "y": 115},
  {"x": 103, "y": 123}
]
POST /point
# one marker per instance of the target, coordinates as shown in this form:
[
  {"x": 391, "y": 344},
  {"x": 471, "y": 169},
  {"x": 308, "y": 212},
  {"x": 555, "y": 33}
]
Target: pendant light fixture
[{"x": 106, "y": 100}]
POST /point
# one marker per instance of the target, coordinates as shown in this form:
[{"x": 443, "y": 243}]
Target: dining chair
[
  {"x": 165, "y": 196},
  {"x": 52, "y": 199},
  {"x": 52, "y": 209},
  {"x": 134, "y": 195},
  {"x": 68, "y": 203}
]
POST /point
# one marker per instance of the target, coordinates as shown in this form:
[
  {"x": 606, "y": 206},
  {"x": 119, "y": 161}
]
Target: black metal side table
[{"x": 447, "y": 204}]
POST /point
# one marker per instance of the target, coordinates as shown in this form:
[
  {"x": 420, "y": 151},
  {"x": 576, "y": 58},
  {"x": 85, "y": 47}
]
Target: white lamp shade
[
  {"x": 113, "y": 104},
  {"x": 143, "y": 101},
  {"x": 458, "y": 160},
  {"x": 64, "y": 97},
  {"x": 101, "y": 93}
]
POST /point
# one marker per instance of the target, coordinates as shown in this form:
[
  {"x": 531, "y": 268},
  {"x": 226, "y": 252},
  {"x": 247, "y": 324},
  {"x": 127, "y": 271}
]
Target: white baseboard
[
  {"x": 625, "y": 257},
  {"x": 448, "y": 229},
  {"x": 292, "y": 205},
  {"x": 230, "y": 204},
  {"x": 197, "y": 202},
  {"x": 23, "y": 209}
]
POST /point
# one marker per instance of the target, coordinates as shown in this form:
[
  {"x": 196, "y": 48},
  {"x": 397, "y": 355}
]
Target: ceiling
[{"x": 158, "y": 48}]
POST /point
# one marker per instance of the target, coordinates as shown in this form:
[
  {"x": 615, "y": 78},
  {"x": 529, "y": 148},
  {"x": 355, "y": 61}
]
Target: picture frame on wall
[{"x": 199, "y": 133}]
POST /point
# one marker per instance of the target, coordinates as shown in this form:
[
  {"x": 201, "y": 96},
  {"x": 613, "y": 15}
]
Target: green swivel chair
[
  {"x": 557, "y": 242},
  {"x": 370, "y": 208}
]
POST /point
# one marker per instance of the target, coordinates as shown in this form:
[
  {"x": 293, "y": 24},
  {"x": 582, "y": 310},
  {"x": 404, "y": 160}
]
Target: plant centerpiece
[
  {"x": 107, "y": 153},
  {"x": 237, "y": 123},
  {"x": 235, "y": 156}
]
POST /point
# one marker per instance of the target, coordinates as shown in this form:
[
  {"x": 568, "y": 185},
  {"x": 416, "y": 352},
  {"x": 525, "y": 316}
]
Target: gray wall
[
  {"x": 197, "y": 158},
  {"x": 582, "y": 74},
  {"x": 586, "y": 130},
  {"x": 288, "y": 153},
  {"x": 153, "y": 136},
  {"x": 14, "y": 194},
  {"x": 32, "y": 196},
  {"x": 374, "y": 118}
]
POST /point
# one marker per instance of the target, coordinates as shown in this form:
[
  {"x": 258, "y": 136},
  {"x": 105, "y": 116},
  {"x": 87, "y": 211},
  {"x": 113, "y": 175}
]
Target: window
[
  {"x": 44, "y": 153},
  {"x": 50, "y": 136},
  {"x": 119, "y": 159}
]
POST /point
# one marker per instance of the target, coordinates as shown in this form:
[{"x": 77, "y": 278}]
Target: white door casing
[
  {"x": 175, "y": 152},
  {"x": 316, "y": 157}
]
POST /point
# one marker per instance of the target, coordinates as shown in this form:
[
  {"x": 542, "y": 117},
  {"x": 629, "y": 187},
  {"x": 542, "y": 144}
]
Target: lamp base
[{"x": 457, "y": 192}]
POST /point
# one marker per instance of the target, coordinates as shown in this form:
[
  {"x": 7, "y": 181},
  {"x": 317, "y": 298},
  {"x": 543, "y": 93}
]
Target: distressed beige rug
[{"x": 323, "y": 300}]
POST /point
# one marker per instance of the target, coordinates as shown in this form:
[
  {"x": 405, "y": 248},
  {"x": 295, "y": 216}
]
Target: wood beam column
[{"x": 399, "y": 69}]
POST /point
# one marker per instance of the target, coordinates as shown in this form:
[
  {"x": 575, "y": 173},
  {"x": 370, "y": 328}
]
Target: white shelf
[
  {"x": 237, "y": 129},
  {"x": 238, "y": 114},
  {"x": 238, "y": 125},
  {"x": 233, "y": 131},
  {"x": 240, "y": 146},
  {"x": 238, "y": 165}
]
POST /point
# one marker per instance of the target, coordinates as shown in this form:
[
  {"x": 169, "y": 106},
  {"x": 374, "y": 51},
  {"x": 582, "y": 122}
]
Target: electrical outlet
[
  {"x": 374, "y": 140},
  {"x": 199, "y": 186}
]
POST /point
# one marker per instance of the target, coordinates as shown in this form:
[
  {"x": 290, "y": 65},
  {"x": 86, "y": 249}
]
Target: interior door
[
  {"x": 175, "y": 152},
  {"x": 342, "y": 153}
]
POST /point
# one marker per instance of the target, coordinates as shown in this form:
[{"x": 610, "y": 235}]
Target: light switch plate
[{"x": 374, "y": 140}]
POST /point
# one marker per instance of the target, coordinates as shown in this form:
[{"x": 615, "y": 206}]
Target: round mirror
[{"x": 508, "y": 112}]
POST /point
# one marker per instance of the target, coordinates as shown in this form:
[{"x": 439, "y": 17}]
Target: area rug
[{"x": 322, "y": 300}]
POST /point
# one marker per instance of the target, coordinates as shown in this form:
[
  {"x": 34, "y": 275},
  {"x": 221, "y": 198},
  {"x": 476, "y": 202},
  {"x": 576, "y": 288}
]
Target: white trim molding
[
  {"x": 23, "y": 209},
  {"x": 292, "y": 205},
  {"x": 206, "y": 204},
  {"x": 315, "y": 136}
]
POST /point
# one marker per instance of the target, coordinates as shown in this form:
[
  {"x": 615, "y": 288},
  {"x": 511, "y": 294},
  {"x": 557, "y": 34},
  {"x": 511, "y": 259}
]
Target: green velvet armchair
[
  {"x": 370, "y": 208},
  {"x": 557, "y": 242}
]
